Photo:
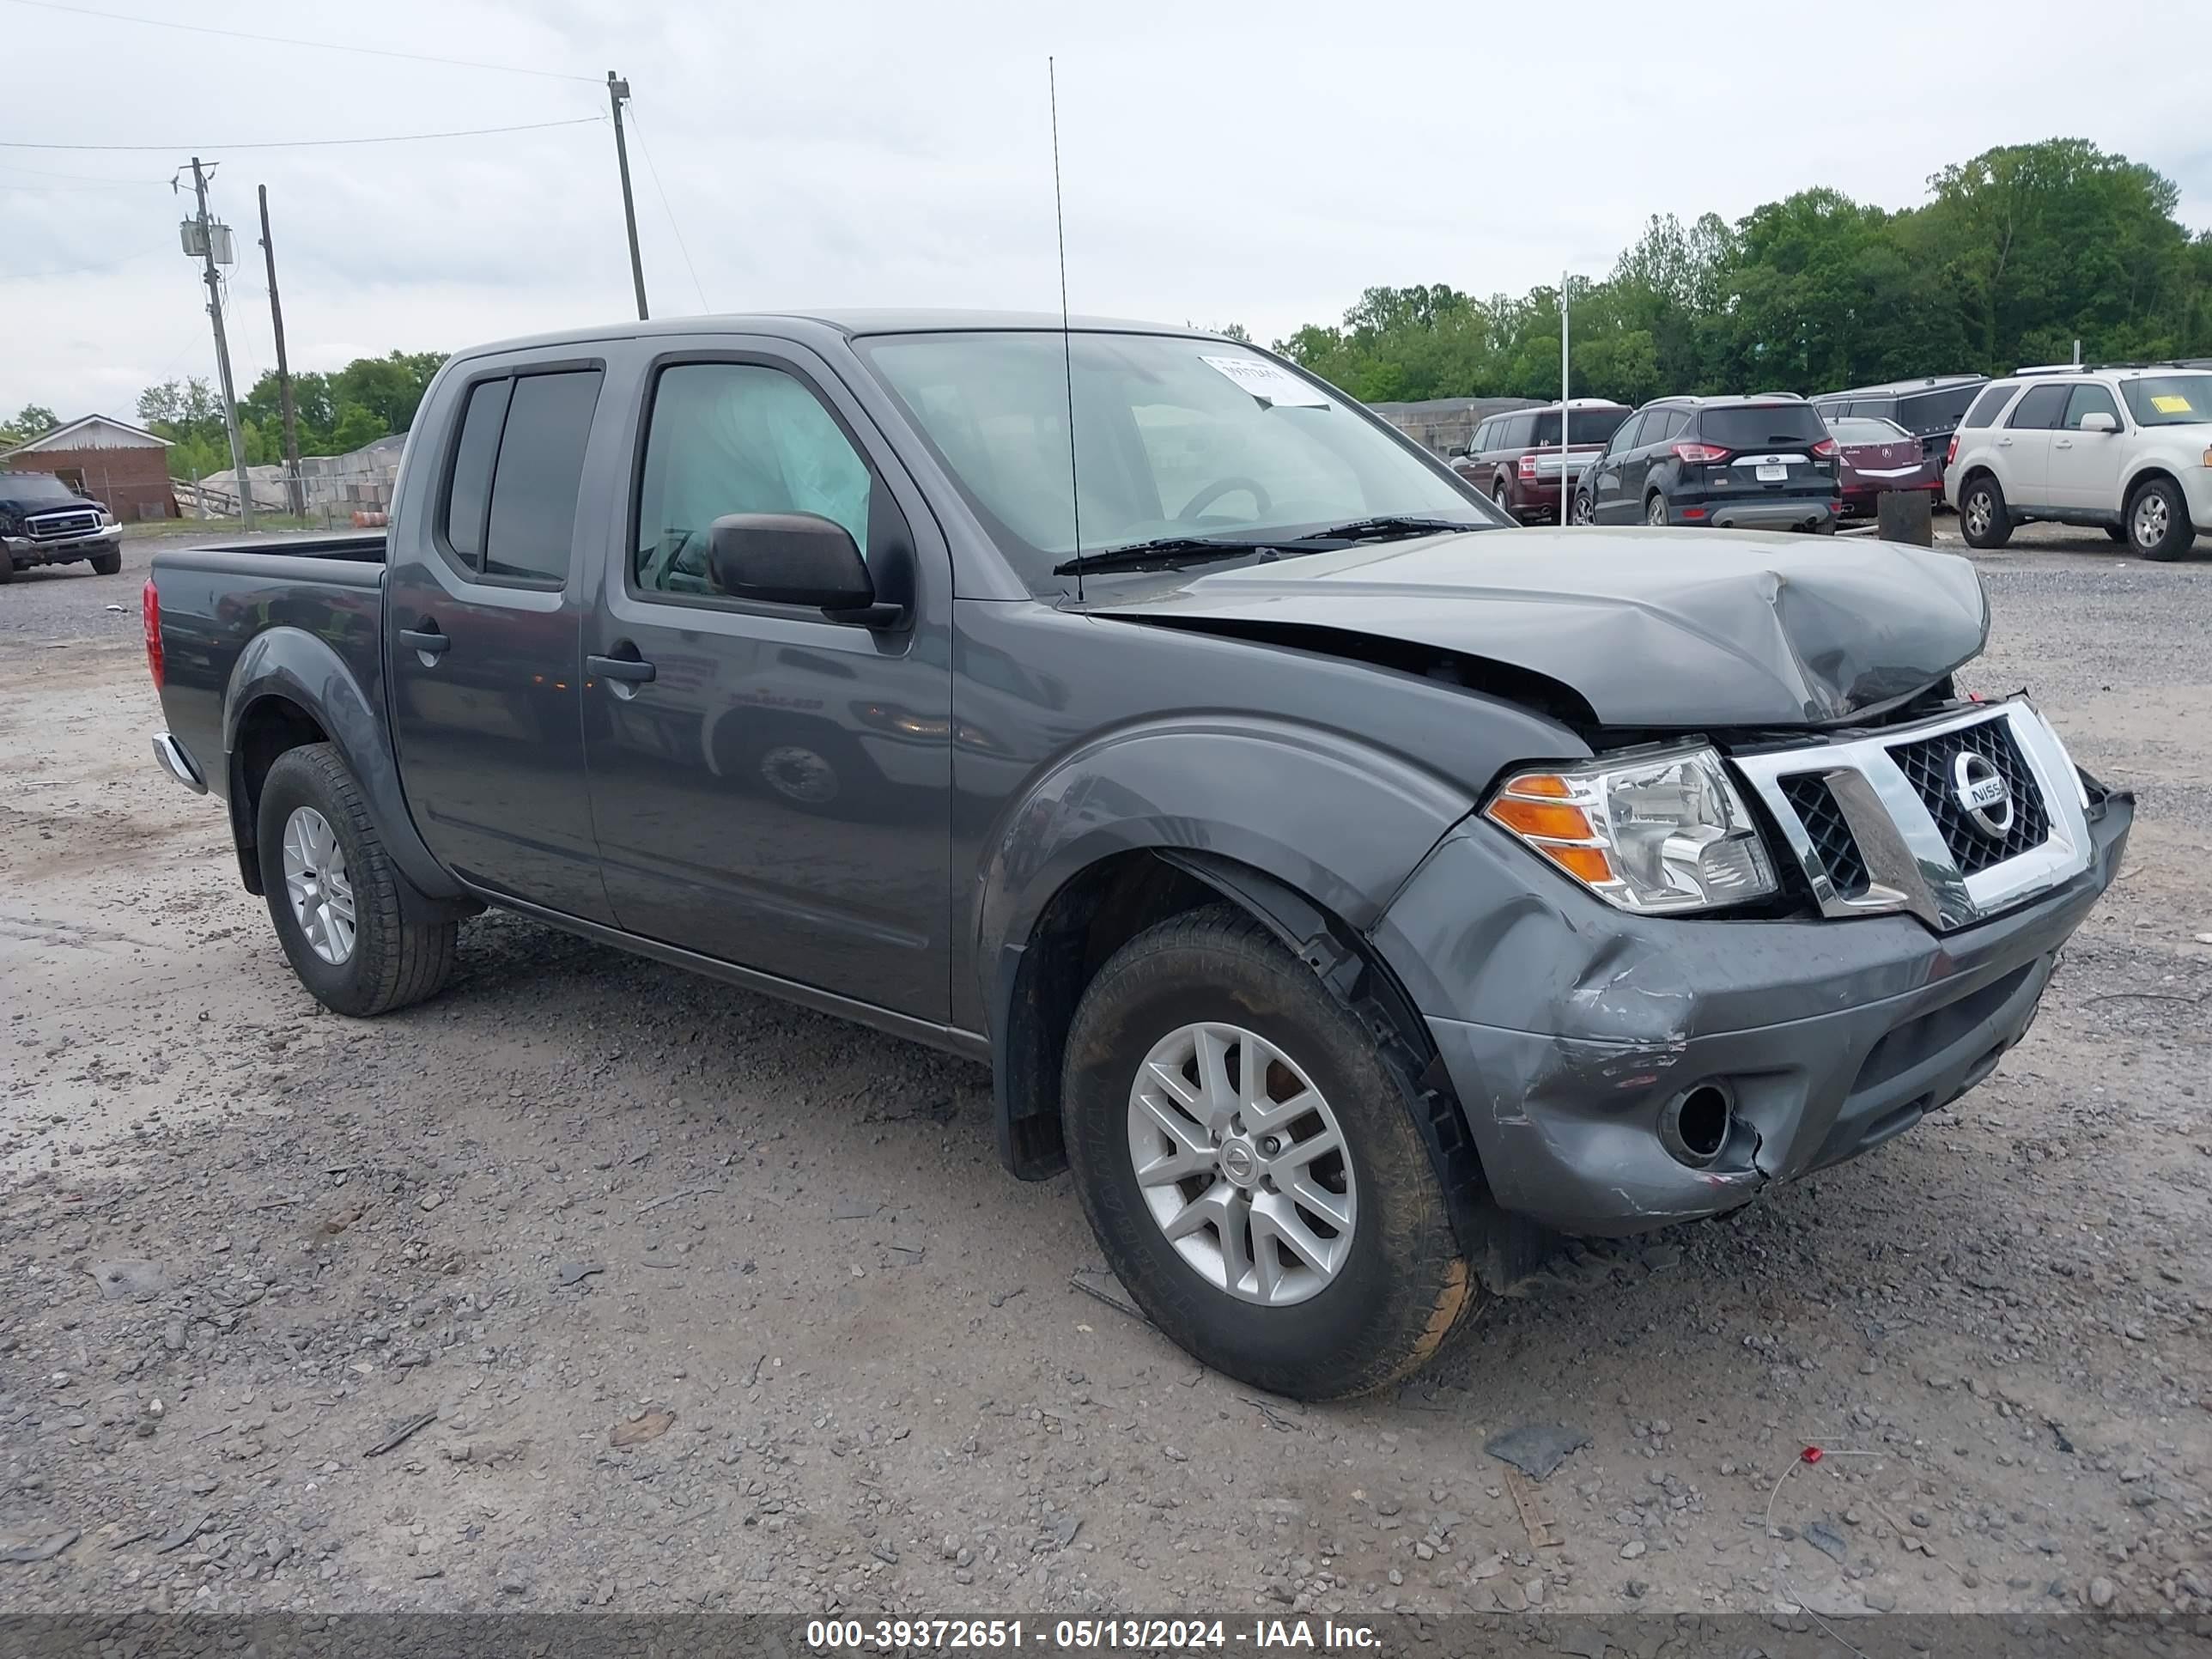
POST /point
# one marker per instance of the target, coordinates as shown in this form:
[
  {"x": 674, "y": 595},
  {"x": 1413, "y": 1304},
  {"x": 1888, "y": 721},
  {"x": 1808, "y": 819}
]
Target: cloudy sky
[{"x": 1256, "y": 163}]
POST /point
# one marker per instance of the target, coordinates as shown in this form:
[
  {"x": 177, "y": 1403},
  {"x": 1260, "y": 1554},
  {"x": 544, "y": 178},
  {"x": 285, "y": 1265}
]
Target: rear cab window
[
  {"x": 508, "y": 515},
  {"x": 1925, "y": 412}
]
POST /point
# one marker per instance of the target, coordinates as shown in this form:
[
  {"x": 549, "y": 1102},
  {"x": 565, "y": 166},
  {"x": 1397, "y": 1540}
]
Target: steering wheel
[{"x": 1213, "y": 492}]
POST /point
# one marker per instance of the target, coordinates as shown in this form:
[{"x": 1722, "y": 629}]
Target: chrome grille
[
  {"x": 1876, "y": 823},
  {"x": 55, "y": 526},
  {"x": 1927, "y": 764},
  {"x": 1833, "y": 844}
]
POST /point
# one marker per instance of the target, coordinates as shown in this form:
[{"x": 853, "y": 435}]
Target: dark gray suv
[{"x": 1764, "y": 463}]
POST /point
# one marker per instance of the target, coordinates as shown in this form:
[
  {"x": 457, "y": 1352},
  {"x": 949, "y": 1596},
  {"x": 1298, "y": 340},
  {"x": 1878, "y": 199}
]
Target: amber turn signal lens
[
  {"x": 1588, "y": 864},
  {"x": 1549, "y": 784},
  {"x": 1553, "y": 822}
]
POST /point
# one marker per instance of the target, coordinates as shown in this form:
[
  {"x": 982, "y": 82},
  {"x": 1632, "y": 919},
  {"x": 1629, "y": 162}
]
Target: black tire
[
  {"x": 1825, "y": 527},
  {"x": 1405, "y": 1283},
  {"x": 2178, "y": 533},
  {"x": 1500, "y": 499},
  {"x": 1995, "y": 520},
  {"x": 107, "y": 564},
  {"x": 7, "y": 570},
  {"x": 1655, "y": 510},
  {"x": 394, "y": 962},
  {"x": 2118, "y": 533}
]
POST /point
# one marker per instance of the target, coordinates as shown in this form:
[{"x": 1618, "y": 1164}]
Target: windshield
[
  {"x": 1584, "y": 426},
  {"x": 1173, "y": 437},
  {"x": 35, "y": 487},
  {"x": 1754, "y": 426},
  {"x": 1858, "y": 429},
  {"x": 2169, "y": 399}
]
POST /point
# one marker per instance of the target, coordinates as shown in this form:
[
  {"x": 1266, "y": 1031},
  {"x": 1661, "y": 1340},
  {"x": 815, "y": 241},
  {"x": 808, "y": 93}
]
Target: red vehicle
[
  {"x": 1514, "y": 459},
  {"x": 1878, "y": 455}
]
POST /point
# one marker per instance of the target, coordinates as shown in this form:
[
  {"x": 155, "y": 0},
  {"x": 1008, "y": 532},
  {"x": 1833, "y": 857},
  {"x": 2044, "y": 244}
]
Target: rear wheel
[
  {"x": 2158, "y": 520},
  {"x": 1983, "y": 519},
  {"x": 334, "y": 895},
  {"x": 107, "y": 564},
  {"x": 1251, "y": 1162},
  {"x": 1655, "y": 510}
]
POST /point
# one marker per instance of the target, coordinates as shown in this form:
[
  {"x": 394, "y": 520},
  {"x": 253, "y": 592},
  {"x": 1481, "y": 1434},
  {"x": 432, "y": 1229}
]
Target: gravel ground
[{"x": 683, "y": 1299}]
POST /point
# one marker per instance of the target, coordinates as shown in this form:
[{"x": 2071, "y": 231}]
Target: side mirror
[
  {"x": 1461, "y": 454},
  {"x": 795, "y": 558},
  {"x": 2100, "y": 421}
]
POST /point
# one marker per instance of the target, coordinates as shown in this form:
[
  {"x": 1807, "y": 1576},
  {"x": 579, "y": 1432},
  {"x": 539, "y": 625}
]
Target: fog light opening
[{"x": 1695, "y": 1125}]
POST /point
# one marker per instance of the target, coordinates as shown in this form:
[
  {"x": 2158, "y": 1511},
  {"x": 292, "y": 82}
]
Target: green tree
[{"x": 32, "y": 420}]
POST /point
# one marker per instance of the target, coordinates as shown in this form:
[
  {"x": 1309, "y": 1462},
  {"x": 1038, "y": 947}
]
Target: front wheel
[
  {"x": 334, "y": 895},
  {"x": 1251, "y": 1164},
  {"x": 1584, "y": 512},
  {"x": 2158, "y": 521},
  {"x": 107, "y": 564}
]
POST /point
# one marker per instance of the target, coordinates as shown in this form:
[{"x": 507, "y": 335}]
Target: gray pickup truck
[{"x": 1352, "y": 891}]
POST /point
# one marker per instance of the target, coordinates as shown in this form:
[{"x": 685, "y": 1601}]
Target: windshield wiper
[
  {"x": 1167, "y": 553},
  {"x": 1385, "y": 527}
]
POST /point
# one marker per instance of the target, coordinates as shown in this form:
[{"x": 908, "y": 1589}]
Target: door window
[
  {"x": 2041, "y": 409},
  {"x": 2091, "y": 399},
  {"x": 727, "y": 438},
  {"x": 1628, "y": 435},
  {"x": 509, "y": 514},
  {"x": 540, "y": 467}
]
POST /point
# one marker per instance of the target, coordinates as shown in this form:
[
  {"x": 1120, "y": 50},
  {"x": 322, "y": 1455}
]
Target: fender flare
[{"x": 303, "y": 668}]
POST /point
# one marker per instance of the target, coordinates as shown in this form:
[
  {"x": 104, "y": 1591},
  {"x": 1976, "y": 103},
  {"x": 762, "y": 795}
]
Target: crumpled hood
[{"x": 1650, "y": 628}]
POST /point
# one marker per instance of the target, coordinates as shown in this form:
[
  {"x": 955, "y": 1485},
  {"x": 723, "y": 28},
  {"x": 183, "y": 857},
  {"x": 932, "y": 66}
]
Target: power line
[
  {"x": 81, "y": 178},
  {"x": 313, "y": 144},
  {"x": 292, "y": 40},
  {"x": 681, "y": 246}
]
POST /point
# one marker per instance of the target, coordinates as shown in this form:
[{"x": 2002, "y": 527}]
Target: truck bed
[{"x": 216, "y": 601}]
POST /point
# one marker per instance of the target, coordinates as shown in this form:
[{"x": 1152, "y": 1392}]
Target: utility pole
[
  {"x": 618, "y": 89},
  {"x": 296, "y": 488},
  {"x": 222, "y": 348}
]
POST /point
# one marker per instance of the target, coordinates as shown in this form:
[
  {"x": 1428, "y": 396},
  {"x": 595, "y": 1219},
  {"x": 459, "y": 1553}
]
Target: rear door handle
[
  {"x": 427, "y": 639},
  {"x": 628, "y": 670}
]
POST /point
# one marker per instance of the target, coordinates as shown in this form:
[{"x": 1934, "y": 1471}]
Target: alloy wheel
[
  {"x": 1242, "y": 1164},
  {"x": 315, "y": 881}
]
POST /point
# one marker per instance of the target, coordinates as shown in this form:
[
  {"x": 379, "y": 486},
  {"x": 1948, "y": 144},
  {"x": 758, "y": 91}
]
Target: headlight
[
  {"x": 108, "y": 520},
  {"x": 1662, "y": 833}
]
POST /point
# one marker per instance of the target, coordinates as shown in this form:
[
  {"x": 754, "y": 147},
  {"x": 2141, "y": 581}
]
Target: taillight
[
  {"x": 150, "y": 608},
  {"x": 1824, "y": 448},
  {"x": 1951, "y": 450},
  {"x": 1699, "y": 455},
  {"x": 1528, "y": 466}
]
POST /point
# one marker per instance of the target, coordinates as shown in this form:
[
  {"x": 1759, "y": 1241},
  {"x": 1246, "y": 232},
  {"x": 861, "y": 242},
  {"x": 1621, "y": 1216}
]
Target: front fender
[
  {"x": 1341, "y": 822},
  {"x": 301, "y": 668}
]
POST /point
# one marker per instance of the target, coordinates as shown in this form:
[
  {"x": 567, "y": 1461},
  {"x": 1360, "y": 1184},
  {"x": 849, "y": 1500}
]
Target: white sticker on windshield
[{"x": 1270, "y": 383}]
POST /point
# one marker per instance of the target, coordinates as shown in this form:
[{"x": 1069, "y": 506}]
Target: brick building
[{"x": 123, "y": 466}]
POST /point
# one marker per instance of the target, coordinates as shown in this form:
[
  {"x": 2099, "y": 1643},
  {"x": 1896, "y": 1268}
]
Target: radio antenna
[{"x": 1067, "y": 338}]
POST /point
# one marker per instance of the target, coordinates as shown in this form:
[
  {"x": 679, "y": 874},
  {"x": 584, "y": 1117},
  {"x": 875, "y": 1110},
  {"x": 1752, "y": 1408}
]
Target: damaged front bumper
[{"x": 1828, "y": 1036}]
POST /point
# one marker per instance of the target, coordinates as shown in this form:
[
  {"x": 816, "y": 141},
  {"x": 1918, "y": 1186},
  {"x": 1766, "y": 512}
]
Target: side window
[
  {"x": 1480, "y": 440},
  {"x": 468, "y": 492},
  {"x": 2092, "y": 399},
  {"x": 1626, "y": 438},
  {"x": 2041, "y": 409},
  {"x": 1989, "y": 405},
  {"x": 1670, "y": 421},
  {"x": 1517, "y": 432},
  {"x": 736, "y": 438},
  {"x": 533, "y": 522}
]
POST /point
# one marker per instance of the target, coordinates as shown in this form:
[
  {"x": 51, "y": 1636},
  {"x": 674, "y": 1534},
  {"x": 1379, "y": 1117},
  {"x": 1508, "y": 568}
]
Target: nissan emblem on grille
[{"x": 1982, "y": 793}]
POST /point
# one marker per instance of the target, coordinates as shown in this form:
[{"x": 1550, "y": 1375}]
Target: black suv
[
  {"x": 1765, "y": 463},
  {"x": 1929, "y": 408}
]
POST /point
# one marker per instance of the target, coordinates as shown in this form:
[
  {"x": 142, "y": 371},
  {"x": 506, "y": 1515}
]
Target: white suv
[{"x": 2129, "y": 450}]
